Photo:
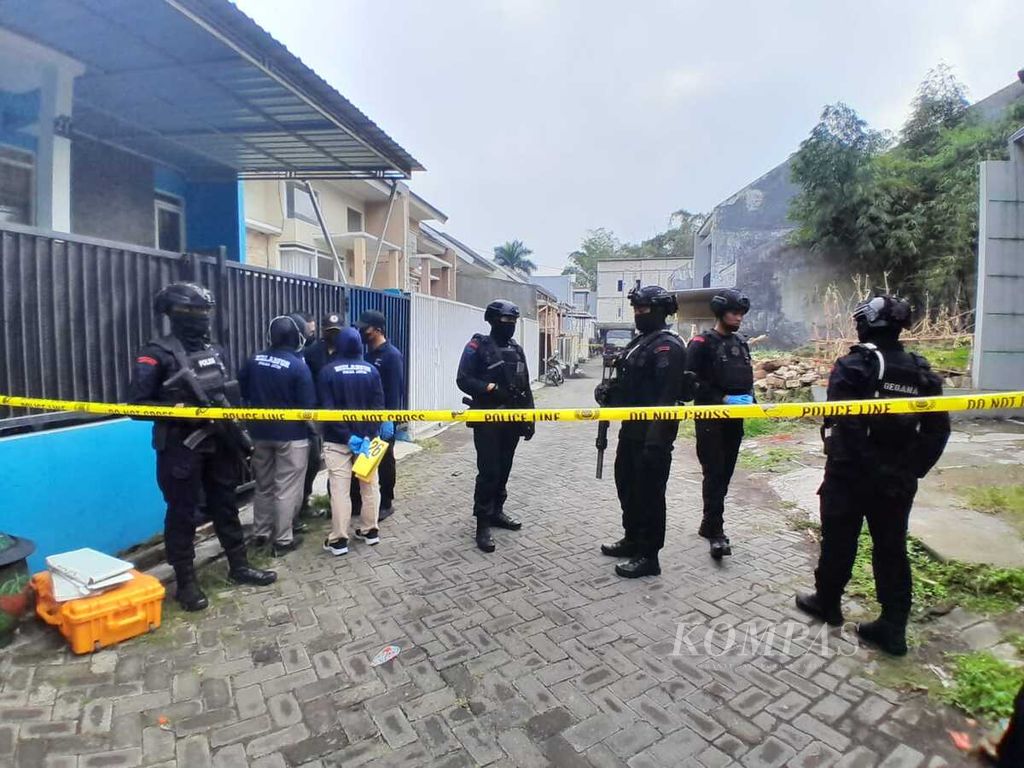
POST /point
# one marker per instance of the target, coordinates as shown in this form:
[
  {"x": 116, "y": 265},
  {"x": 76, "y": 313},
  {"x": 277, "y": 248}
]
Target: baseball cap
[
  {"x": 332, "y": 320},
  {"x": 371, "y": 318}
]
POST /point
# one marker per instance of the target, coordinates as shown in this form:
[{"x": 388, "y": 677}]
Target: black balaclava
[
  {"x": 883, "y": 337},
  {"x": 191, "y": 328},
  {"x": 649, "y": 322},
  {"x": 502, "y": 332}
]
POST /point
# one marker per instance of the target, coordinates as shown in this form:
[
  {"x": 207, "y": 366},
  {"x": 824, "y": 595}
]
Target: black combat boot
[
  {"x": 639, "y": 566},
  {"x": 189, "y": 594},
  {"x": 885, "y": 634},
  {"x": 240, "y": 572},
  {"x": 483, "y": 535},
  {"x": 621, "y": 548},
  {"x": 501, "y": 520},
  {"x": 720, "y": 547},
  {"x": 829, "y": 611}
]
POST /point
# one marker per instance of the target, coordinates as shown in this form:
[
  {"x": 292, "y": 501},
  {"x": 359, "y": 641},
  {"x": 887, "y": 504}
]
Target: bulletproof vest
[
  {"x": 898, "y": 374},
  {"x": 504, "y": 366},
  {"x": 208, "y": 366},
  {"x": 636, "y": 359},
  {"x": 732, "y": 369}
]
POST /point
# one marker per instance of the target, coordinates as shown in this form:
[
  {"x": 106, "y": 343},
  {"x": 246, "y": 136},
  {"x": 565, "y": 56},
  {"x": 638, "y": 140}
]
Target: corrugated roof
[{"x": 198, "y": 85}]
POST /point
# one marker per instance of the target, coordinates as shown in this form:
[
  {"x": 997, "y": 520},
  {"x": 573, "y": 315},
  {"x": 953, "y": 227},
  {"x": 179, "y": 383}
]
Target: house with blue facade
[{"x": 127, "y": 131}]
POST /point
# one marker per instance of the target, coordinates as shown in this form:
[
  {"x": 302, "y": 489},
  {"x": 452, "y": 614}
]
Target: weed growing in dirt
[
  {"x": 321, "y": 502},
  {"x": 947, "y": 356},
  {"x": 981, "y": 588},
  {"x": 983, "y": 686},
  {"x": 763, "y": 427},
  {"x": 995, "y": 499},
  {"x": 770, "y": 460}
]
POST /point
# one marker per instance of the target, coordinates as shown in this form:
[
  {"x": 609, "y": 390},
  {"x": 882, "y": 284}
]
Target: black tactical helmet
[
  {"x": 500, "y": 308},
  {"x": 729, "y": 300},
  {"x": 883, "y": 312},
  {"x": 187, "y": 296},
  {"x": 655, "y": 297}
]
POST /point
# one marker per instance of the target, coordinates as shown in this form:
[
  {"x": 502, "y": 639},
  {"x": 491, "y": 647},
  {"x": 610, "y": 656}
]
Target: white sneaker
[{"x": 336, "y": 547}]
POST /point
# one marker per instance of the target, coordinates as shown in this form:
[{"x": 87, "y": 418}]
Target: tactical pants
[
  {"x": 846, "y": 502},
  {"x": 640, "y": 481},
  {"x": 718, "y": 445},
  {"x": 279, "y": 468},
  {"x": 386, "y": 477},
  {"x": 495, "y": 449},
  {"x": 184, "y": 476},
  {"x": 1011, "y": 746}
]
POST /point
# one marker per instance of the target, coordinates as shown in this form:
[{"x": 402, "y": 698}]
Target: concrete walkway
[{"x": 535, "y": 655}]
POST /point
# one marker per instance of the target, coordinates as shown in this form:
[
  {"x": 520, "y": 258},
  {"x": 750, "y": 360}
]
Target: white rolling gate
[{"x": 439, "y": 330}]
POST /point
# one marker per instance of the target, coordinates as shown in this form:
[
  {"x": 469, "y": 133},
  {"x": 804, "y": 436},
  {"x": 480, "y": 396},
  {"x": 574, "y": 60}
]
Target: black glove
[
  {"x": 528, "y": 429},
  {"x": 601, "y": 393}
]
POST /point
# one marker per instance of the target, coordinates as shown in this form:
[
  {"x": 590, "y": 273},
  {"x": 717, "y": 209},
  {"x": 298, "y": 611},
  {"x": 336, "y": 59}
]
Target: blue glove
[
  {"x": 355, "y": 444},
  {"x": 739, "y": 400},
  {"x": 387, "y": 430}
]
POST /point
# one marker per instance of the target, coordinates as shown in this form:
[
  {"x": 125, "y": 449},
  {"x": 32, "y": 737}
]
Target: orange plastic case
[{"x": 91, "y": 623}]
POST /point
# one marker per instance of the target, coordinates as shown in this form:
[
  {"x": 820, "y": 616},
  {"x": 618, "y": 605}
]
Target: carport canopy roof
[{"x": 199, "y": 86}]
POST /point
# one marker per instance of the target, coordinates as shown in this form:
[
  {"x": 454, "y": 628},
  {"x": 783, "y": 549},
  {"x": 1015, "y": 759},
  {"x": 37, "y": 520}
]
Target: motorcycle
[{"x": 553, "y": 372}]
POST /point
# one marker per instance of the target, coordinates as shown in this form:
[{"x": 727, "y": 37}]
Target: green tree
[
  {"x": 833, "y": 170},
  {"x": 598, "y": 244},
  {"x": 674, "y": 243},
  {"x": 940, "y": 104},
  {"x": 515, "y": 255}
]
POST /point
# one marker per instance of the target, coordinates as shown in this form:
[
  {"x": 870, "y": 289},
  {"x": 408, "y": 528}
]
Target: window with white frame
[
  {"x": 300, "y": 204},
  {"x": 298, "y": 260},
  {"x": 169, "y": 212},
  {"x": 355, "y": 220},
  {"x": 17, "y": 186}
]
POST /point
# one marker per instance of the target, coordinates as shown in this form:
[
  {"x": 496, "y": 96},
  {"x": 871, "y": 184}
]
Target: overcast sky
[{"x": 540, "y": 119}]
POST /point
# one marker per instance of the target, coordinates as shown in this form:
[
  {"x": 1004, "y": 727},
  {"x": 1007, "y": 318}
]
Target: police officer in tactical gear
[
  {"x": 871, "y": 471},
  {"x": 720, "y": 359},
  {"x": 194, "y": 457},
  {"x": 650, "y": 372},
  {"x": 493, "y": 372}
]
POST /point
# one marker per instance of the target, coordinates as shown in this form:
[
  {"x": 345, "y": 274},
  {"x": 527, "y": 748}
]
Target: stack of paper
[{"x": 85, "y": 572}]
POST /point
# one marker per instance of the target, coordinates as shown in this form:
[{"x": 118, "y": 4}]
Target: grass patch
[
  {"x": 983, "y": 686},
  {"x": 321, "y": 502},
  {"x": 763, "y": 427},
  {"x": 948, "y": 357},
  {"x": 1017, "y": 641},
  {"x": 981, "y": 588},
  {"x": 770, "y": 460},
  {"x": 429, "y": 443},
  {"x": 995, "y": 499},
  {"x": 905, "y": 675}
]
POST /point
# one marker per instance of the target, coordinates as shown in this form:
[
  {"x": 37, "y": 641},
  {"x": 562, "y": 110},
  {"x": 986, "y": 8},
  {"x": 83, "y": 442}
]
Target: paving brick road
[{"x": 535, "y": 655}]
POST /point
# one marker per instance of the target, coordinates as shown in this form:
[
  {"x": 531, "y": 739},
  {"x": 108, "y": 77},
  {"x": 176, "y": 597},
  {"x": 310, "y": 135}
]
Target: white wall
[
  {"x": 612, "y": 303},
  {"x": 999, "y": 325},
  {"x": 439, "y": 331}
]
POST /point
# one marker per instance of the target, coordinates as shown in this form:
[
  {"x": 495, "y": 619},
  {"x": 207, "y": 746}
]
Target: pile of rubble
[{"x": 784, "y": 373}]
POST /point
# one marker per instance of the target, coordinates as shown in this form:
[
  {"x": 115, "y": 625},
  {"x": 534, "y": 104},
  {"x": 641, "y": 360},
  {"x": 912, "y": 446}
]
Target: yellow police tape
[{"x": 1003, "y": 400}]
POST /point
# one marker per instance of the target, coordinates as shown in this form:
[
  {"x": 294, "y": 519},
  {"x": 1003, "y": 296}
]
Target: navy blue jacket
[
  {"x": 277, "y": 378},
  {"x": 317, "y": 355},
  {"x": 349, "y": 382},
  {"x": 391, "y": 366}
]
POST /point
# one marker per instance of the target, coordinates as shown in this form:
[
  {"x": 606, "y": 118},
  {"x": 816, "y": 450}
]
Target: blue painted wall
[
  {"x": 214, "y": 216},
  {"x": 170, "y": 182},
  {"x": 88, "y": 486}
]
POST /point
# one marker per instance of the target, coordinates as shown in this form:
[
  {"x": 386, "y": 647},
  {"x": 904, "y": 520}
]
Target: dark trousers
[
  {"x": 184, "y": 476},
  {"x": 314, "y": 464},
  {"x": 718, "y": 445},
  {"x": 495, "y": 449},
  {"x": 1011, "y": 746},
  {"x": 846, "y": 502},
  {"x": 386, "y": 478},
  {"x": 640, "y": 480}
]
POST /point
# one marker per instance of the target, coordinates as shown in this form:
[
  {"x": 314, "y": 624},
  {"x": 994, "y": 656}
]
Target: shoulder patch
[
  {"x": 662, "y": 348},
  {"x": 697, "y": 339},
  {"x": 147, "y": 360}
]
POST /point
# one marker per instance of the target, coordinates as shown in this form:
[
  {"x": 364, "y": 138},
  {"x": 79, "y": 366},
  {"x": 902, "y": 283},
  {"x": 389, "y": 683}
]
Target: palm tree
[{"x": 513, "y": 254}]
